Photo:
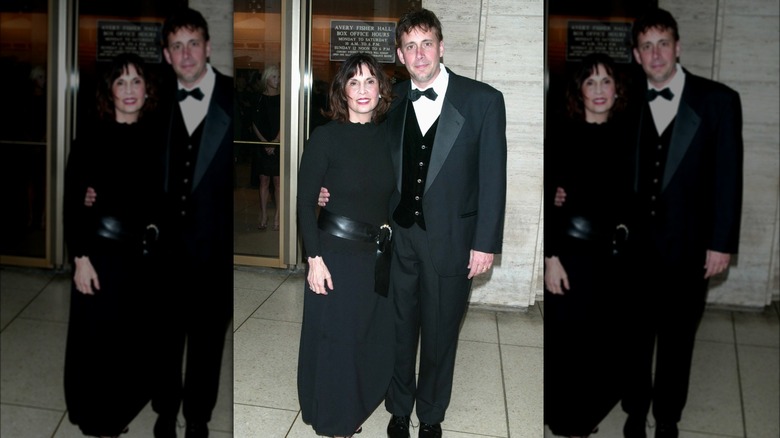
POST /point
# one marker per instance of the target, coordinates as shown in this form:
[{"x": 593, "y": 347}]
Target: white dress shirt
[
  {"x": 194, "y": 110},
  {"x": 428, "y": 110},
  {"x": 664, "y": 111}
]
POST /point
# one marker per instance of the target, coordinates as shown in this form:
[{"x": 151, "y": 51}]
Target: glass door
[
  {"x": 307, "y": 40},
  {"x": 25, "y": 141},
  {"x": 260, "y": 144}
]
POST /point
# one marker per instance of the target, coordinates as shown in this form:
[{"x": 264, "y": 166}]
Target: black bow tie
[
  {"x": 652, "y": 93},
  {"x": 195, "y": 93},
  {"x": 429, "y": 93}
]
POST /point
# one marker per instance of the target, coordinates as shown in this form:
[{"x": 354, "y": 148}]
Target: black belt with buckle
[{"x": 350, "y": 229}]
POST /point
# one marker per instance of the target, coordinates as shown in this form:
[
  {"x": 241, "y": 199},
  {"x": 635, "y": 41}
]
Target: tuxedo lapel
[
  {"x": 215, "y": 127},
  {"x": 450, "y": 123},
  {"x": 686, "y": 124}
]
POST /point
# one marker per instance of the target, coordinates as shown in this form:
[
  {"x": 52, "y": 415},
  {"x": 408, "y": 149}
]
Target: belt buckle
[{"x": 384, "y": 237}]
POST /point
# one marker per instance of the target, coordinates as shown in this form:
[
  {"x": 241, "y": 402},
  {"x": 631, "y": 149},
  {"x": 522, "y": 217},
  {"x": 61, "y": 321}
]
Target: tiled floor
[
  {"x": 498, "y": 377},
  {"x": 34, "y": 307}
]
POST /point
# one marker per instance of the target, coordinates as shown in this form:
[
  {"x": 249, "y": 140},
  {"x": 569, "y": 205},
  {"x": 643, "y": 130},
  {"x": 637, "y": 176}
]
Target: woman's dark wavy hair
[
  {"x": 575, "y": 106},
  {"x": 118, "y": 66},
  {"x": 339, "y": 110}
]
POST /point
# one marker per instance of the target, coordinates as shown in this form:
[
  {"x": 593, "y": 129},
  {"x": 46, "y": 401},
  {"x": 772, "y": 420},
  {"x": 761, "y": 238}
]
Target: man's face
[
  {"x": 420, "y": 53},
  {"x": 657, "y": 53},
  {"x": 187, "y": 53}
]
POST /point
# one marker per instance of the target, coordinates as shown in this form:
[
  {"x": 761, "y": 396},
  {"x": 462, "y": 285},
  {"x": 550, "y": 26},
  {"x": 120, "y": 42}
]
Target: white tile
[
  {"x": 258, "y": 279},
  {"x": 12, "y": 301},
  {"x": 477, "y": 404},
  {"x": 32, "y": 358},
  {"x": 255, "y": 421},
  {"x": 522, "y": 370},
  {"x": 714, "y": 399},
  {"x": 758, "y": 369},
  {"x": 21, "y": 421},
  {"x": 716, "y": 325},
  {"x": 522, "y": 328},
  {"x": 760, "y": 328},
  {"x": 265, "y": 364},
  {"x": 28, "y": 279},
  {"x": 479, "y": 325},
  {"x": 53, "y": 303},
  {"x": 285, "y": 304},
  {"x": 246, "y": 302}
]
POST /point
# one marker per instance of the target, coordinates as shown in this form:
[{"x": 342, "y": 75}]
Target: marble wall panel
[
  {"x": 219, "y": 16},
  {"x": 750, "y": 49},
  {"x": 740, "y": 39}
]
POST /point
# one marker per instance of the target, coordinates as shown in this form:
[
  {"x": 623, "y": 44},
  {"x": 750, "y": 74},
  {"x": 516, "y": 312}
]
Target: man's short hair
[
  {"x": 656, "y": 18},
  {"x": 184, "y": 18},
  {"x": 423, "y": 19}
]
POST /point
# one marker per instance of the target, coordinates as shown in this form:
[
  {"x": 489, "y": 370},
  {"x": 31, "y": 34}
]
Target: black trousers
[
  {"x": 666, "y": 308},
  {"x": 429, "y": 308},
  {"x": 198, "y": 307}
]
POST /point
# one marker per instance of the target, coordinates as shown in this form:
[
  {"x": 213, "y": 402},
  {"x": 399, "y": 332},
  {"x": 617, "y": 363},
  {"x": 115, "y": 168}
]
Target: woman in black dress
[
  {"x": 109, "y": 342},
  {"x": 265, "y": 126},
  {"x": 587, "y": 157},
  {"x": 345, "y": 360}
]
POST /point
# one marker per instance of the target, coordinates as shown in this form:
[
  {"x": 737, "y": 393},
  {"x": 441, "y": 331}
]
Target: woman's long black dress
[
  {"x": 345, "y": 360},
  {"x": 267, "y": 119},
  {"x": 109, "y": 351},
  {"x": 582, "y": 327}
]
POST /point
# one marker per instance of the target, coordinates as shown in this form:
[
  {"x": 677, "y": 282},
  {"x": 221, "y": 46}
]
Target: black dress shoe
[
  {"x": 197, "y": 430},
  {"x": 165, "y": 427},
  {"x": 634, "y": 427},
  {"x": 429, "y": 430},
  {"x": 666, "y": 430},
  {"x": 398, "y": 427}
]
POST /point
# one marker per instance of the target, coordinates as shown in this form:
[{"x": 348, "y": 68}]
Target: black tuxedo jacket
[
  {"x": 208, "y": 240},
  {"x": 701, "y": 195},
  {"x": 465, "y": 192}
]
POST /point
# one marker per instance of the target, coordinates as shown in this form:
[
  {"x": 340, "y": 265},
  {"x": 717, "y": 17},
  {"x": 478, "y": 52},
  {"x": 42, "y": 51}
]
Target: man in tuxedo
[
  {"x": 448, "y": 215},
  {"x": 197, "y": 233},
  {"x": 688, "y": 186}
]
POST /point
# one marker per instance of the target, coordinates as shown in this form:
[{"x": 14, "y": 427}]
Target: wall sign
[
  {"x": 142, "y": 38},
  {"x": 612, "y": 38},
  {"x": 376, "y": 38}
]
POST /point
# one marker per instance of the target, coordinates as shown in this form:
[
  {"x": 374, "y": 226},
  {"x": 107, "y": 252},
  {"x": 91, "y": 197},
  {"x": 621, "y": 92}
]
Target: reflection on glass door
[
  {"x": 258, "y": 150},
  {"x": 24, "y": 148}
]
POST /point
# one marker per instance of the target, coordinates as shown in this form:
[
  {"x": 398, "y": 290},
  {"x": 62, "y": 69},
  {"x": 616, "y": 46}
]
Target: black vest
[
  {"x": 181, "y": 165},
  {"x": 653, "y": 152},
  {"x": 416, "y": 159}
]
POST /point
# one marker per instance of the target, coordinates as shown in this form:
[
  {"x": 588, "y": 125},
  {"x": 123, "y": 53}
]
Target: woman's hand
[
  {"x": 85, "y": 278},
  {"x": 319, "y": 277},
  {"x": 555, "y": 278}
]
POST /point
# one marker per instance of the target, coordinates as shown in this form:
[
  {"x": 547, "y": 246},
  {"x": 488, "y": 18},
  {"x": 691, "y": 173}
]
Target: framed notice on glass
[
  {"x": 589, "y": 36},
  {"x": 376, "y": 38},
  {"x": 139, "y": 37}
]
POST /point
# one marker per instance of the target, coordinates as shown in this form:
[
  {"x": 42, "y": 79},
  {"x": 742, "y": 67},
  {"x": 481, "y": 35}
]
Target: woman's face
[
  {"x": 362, "y": 92},
  {"x": 598, "y": 95},
  {"x": 273, "y": 81},
  {"x": 129, "y": 91}
]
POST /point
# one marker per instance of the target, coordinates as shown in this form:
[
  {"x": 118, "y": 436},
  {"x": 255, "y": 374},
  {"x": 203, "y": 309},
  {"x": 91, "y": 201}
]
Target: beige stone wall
[
  {"x": 219, "y": 15},
  {"x": 501, "y": 42},
  {"x": 736, "y": 42},
  {"x": 733, "y": 41}
]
